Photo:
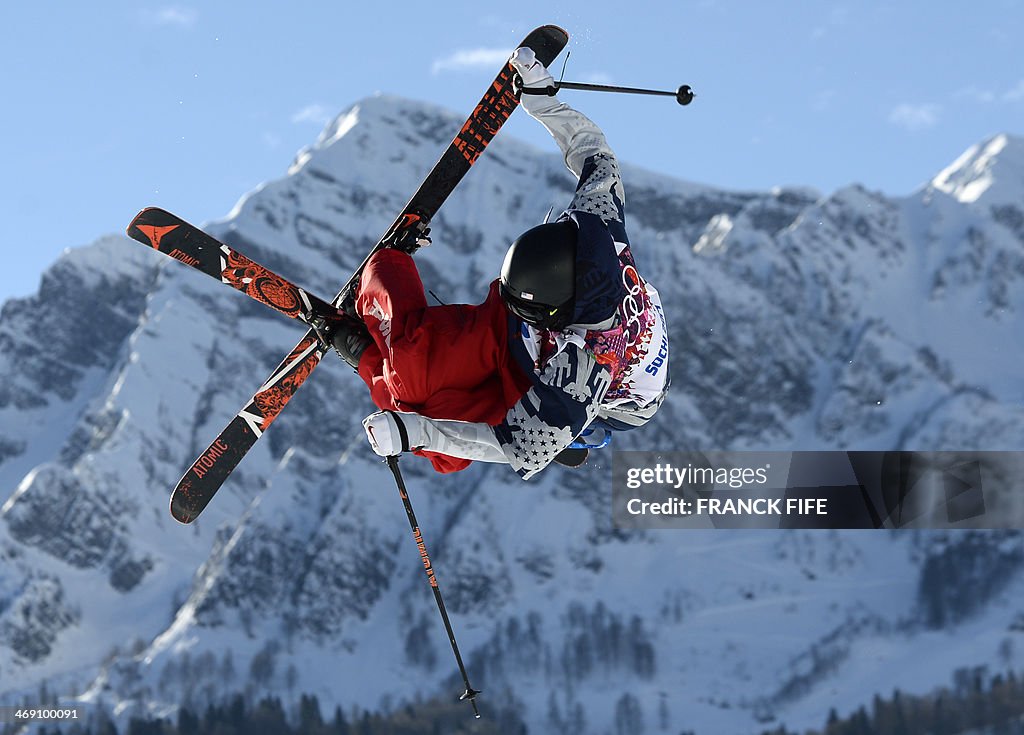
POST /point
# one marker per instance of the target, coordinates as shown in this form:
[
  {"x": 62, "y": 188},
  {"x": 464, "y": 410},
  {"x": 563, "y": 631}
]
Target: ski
[
  {"x": 202, "y": 481},
  {"x": 198, "y": 486},
  {"x": 186, "y": 243}
]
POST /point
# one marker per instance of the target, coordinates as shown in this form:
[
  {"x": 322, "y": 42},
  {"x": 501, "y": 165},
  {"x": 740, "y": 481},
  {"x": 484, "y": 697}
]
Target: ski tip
[
  {"x": 154, "y": 215},
  {"x": 547, "y": 42},
  {"x": 182, "y": 510},
  {"x": 572, "y": 456},
  {"x": 551, "y": 28},
  {"x": 181, "y": 515},
  {"x": 146, "y": 216},
  {"x": 130, "y": 229},
  {"x": 141, "y": 215}
]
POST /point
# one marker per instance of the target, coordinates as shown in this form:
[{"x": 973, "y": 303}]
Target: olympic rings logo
[{"x": 633, "y": 305}]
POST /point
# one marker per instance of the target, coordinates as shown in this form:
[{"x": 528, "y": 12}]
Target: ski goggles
[{"x": 542, "y": 316}]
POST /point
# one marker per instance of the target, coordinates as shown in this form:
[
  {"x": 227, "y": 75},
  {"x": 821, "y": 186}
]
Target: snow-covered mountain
[{"x": 798, "y": 321}]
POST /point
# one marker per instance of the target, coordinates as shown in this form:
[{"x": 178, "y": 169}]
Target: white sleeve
[
  {"x": 586, "y": 154},
  {"x": 462, "y": 439},
  {"x": 577, "y": 136}
]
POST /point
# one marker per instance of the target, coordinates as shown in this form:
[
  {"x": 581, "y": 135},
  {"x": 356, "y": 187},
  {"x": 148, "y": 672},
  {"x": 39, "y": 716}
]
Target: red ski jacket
[{"x": 444, "y": 362}]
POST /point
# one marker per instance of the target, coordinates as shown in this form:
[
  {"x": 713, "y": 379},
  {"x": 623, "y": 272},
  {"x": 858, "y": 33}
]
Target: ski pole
[
  {"x": 470, "y": 693},
  {"x": 684, "y": 95}
]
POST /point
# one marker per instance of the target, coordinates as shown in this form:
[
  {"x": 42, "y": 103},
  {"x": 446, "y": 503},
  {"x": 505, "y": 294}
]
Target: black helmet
[{"x": 538, "y": 277}]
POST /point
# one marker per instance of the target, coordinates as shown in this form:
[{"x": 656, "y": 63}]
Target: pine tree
[
  {"x": 832, "y": 725},
  {"x": 106, "y": 726},
  {"x": 236, "y": 714},
  {"x": 310, "y": 720},
  {"x": 339, "y": 725},
  {"x": 268, "y": 719},
  {"x": 629, "y": 719}
]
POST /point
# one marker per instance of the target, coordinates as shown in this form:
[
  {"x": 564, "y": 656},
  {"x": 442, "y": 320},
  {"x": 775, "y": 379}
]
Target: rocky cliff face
[{"x": 851, "y": 321}]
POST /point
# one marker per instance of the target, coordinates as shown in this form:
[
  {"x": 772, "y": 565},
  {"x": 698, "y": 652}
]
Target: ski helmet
[{"x": 538, "y": 277}]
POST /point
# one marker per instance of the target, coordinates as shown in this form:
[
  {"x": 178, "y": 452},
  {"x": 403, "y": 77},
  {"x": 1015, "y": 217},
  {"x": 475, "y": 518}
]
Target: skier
[{"x": 569, "y": 337}]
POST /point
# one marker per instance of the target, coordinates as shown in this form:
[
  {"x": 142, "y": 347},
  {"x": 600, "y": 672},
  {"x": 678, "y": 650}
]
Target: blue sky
[{"x": 112, "y": 106}]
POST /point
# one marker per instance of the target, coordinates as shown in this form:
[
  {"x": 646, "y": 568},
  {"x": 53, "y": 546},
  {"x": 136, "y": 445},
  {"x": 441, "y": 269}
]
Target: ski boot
[
  {"x": 413, "y": 235},
  {"x": 350, "y": 338}
]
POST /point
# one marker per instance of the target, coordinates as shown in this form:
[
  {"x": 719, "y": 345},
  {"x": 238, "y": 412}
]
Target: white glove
[
  {"x": 534, "y": 73},
  {"x": 392, "y": 433}
]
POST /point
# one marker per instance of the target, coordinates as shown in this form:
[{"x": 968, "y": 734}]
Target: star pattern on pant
[{"x": 596, "y": 193}]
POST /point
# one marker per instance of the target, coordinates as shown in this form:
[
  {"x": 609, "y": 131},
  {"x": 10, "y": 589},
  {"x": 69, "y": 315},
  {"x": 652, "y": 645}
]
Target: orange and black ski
[
  {"x": 198, "y": 486},
  {"x": 187, "y": 244}
]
